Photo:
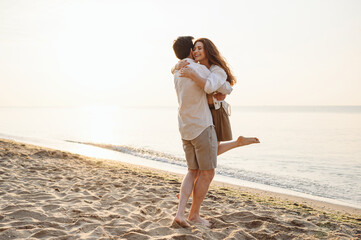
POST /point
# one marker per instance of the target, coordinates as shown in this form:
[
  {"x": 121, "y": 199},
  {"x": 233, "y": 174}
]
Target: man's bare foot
[
  {"x": 181, "y": 222},
  {"x": 200, "y": 220},
  {"x": 242, "y": 141}
]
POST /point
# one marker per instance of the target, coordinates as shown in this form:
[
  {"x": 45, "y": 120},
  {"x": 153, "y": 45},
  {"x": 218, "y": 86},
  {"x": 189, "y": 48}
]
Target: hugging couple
[{"x": 202, "y": 79}]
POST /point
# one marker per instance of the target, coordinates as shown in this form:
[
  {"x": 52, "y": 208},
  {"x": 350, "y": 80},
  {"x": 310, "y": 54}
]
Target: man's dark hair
[{"x": 182, "y": 46}]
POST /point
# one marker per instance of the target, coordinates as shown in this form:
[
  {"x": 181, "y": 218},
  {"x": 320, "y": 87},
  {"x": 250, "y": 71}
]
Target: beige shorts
[{"x": 201, "y": 152}]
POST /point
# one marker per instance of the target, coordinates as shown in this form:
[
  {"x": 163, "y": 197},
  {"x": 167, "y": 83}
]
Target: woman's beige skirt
[{"x": 221, "y": 123}]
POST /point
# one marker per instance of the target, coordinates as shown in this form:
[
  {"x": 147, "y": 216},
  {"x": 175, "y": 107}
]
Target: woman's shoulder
[{"x": 215, "y": 67}]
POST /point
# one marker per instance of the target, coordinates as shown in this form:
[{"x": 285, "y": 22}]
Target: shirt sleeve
[
  {"x": 215, "y": 80},
  {"x": 225, "y": 88}
]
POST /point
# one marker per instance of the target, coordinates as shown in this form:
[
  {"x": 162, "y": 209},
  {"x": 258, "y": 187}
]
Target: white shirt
[
  {"x": 217, "y": 81},
  {"x": 194, "y": 115},
  {"x": 219, "y": 78}
]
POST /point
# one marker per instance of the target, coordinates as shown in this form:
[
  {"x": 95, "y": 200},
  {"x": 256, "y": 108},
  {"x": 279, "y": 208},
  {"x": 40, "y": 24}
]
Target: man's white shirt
[
  {"x": 194, "y": 115},
  {"x": 193, "y": 112}
]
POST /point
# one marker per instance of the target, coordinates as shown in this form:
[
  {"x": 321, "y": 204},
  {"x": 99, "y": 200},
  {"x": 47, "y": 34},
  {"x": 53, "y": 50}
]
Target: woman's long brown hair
[{"x": 214, "y": 57}]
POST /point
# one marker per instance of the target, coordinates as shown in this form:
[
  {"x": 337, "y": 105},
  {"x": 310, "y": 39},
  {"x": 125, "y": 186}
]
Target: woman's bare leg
[{"x": 241, "y": 141}]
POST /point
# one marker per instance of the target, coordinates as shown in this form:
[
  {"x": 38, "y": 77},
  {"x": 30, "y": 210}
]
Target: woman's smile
[{"x": 198, "y": 52}]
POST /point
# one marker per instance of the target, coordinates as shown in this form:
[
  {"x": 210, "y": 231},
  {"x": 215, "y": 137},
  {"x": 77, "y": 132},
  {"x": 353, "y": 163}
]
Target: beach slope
[{"x": 47, "y": 193}]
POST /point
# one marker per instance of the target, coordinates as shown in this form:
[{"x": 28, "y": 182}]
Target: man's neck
[{"x": 190, "y": 56}]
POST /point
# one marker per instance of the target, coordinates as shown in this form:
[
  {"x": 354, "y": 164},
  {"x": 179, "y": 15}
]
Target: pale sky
[{"x": 75, "y": 53}]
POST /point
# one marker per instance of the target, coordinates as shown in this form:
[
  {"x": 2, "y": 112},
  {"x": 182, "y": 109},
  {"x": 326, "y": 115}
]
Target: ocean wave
[{"x": 141, "y": 152}]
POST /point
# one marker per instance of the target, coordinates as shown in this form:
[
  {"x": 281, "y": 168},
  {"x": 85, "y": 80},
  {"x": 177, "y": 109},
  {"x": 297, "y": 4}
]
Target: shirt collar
[{"x": 190, "y": 60}]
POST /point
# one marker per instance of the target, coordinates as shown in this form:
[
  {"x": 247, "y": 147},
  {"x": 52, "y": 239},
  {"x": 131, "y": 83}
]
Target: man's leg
[
  {"x": 178, "y": 194},
  {"x": 186, "y": 190},
  {"x": 199, "y": 192},
  {"x": 241, "y": 141}
]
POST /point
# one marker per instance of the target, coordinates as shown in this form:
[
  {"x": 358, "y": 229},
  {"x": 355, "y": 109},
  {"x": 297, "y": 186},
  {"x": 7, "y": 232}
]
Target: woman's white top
[{"x": 219, "y": 76}]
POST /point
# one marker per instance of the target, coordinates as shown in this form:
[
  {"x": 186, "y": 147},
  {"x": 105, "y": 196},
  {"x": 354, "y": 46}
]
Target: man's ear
[{"x": 192, "y": 53}]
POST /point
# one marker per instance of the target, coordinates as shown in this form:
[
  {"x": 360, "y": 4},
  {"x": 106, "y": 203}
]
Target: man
[{"x": 197, "y": 132}]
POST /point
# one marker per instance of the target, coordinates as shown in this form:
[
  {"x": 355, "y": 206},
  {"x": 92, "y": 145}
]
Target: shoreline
[
  {"x": 51, "y": 193},
  {"x": 282, "y": 197},
  {"x": 311, "y": 200},
  {"x": 286, "y": 193},
  {"x": 287, "y": 198}
]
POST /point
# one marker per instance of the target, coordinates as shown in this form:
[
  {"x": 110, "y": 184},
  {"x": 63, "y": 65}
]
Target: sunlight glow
[
  {"x": 75, "y": 53},
  {"x": 101, "y": 123}
]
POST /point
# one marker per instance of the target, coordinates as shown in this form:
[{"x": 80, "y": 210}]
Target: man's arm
[
  {"x": 179, "y": 65},
  {"x": 192, "y": 74}
]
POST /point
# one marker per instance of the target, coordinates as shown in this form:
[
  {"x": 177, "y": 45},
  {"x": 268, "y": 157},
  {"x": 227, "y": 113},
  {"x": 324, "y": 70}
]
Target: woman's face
[{"x": 198, "y": 52}]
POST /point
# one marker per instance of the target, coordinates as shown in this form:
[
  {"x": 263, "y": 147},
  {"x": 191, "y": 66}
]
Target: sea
[{"x": 308, "y": 151}]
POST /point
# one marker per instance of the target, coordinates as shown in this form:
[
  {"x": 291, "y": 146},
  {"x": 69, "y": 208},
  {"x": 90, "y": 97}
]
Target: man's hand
[
  {"x": 219, "y": 96},
  {"x": 187, "y": 72},
  {"x": 181, "y": 64}
]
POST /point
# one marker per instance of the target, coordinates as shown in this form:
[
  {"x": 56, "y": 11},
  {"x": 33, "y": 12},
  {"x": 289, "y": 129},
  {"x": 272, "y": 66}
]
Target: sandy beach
[{"x": 50, "y": 194}]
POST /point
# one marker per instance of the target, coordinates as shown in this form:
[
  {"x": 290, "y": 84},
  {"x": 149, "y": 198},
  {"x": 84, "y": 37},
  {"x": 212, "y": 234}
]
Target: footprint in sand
[
  {"x": 50, "y": 207},
  {"x": 49, "y": 233},
  {"x": 20, "y": 214},
  {"x": 150, "y": 210},
  {"x": 254, "y": 224},
  {"x": 135, "y": 236}
]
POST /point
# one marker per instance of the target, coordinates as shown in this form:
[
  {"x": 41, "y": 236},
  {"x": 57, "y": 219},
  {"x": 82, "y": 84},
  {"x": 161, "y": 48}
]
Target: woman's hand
[
  {"x": 187, "y": 72},
  {"x": 219, "y": 96},
  {"x": 181, "y": 64}
]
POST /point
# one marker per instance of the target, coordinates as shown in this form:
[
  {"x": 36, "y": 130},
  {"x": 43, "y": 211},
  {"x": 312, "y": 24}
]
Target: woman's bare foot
[
  {"x": 181, "y": 222},
  {"x": 200, "y": 220},
  {"x": 242, "y": 141}
]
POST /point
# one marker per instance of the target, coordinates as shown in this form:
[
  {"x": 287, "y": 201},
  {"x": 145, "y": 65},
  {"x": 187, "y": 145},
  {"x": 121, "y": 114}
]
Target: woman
[{"x": 206, "y": 53}]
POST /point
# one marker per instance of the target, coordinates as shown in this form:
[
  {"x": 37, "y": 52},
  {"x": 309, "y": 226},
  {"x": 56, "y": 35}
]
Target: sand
[{"x": 50, "y": 194}]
